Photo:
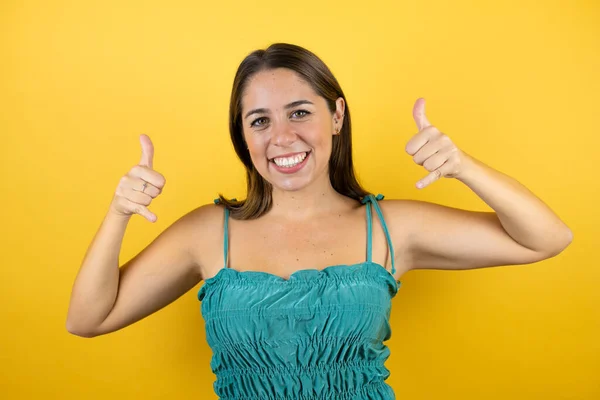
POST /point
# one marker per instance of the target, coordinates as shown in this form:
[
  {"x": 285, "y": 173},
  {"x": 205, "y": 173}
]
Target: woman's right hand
[{"x": 139, "y": 186}]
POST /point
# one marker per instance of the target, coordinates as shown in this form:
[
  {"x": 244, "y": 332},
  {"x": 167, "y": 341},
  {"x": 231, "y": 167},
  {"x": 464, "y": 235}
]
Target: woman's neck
[{"x": 307, "y": 203}]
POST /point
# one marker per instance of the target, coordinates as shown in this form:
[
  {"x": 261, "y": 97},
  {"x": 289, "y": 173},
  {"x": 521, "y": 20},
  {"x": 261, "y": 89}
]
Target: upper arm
[
  {"x": 441, "y": 237},
  {"x": 161, "y": 273}
]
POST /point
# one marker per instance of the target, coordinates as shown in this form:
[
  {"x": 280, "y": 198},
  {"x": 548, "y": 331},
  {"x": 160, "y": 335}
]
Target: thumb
[
  {"x": 147, "y": 151},
  {"x": 419, "y": 114}
]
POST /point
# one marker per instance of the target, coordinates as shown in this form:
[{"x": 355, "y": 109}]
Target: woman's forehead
[{"x": 275, "y": 88}]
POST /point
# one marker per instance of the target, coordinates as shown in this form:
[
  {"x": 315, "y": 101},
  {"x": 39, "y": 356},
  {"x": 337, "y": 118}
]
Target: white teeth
[{"x": 290, "y": 161}]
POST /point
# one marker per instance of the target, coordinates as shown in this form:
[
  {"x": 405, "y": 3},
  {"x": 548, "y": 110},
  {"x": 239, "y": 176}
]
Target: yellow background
[{"x": 513, "y": 83}]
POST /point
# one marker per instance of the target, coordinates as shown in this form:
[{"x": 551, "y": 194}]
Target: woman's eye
[
  {"x": 302, "y": 111},
  {"x": 257, "y": 122},
  {"x": 254, "y": 123}
]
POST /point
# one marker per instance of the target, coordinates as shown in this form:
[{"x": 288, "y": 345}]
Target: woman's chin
[{"x": 290, "y": 184}]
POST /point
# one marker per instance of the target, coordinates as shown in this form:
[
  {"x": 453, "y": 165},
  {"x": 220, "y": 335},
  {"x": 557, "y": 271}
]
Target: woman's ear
[{"x": 338, "y": 115}]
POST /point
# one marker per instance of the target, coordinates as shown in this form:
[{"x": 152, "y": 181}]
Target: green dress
[{"x": 317, "y": 335}]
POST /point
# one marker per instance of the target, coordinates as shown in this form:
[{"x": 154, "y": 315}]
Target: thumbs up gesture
[
  {"x": 139, "y": 186},
  {"x": 433, "y": 150}
]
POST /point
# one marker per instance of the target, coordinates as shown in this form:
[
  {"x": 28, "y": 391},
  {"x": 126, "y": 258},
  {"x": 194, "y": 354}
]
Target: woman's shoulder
[
  {"x": 410, "y": 216},
  {"x": 200, "y": 231},
  {"x": 410, "y": 207},
  {"x": 405, "y": 215},
  {"x": 204, "y": 218},
  {"x": 400, "y": 206},
  {"x": 195, "y": 227}
]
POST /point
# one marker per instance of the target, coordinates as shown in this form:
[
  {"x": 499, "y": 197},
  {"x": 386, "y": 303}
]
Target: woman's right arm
[{"x": 106, "y": 298}]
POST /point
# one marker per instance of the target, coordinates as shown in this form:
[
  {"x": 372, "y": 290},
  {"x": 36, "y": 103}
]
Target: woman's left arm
[{"x": 522, "y": 229}]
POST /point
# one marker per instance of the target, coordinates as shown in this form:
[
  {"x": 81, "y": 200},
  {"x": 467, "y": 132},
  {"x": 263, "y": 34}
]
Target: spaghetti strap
[
  {"x": 225, "y": 234},
  {"x": 373, "y": 200},
  {"x": 369, "y": 234}
]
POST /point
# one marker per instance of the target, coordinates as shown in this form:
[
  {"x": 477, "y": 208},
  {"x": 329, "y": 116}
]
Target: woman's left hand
[{"x": 434, "y": 150}]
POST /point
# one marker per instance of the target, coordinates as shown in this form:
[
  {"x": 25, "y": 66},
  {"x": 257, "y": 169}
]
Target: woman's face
[{"x": 288, "y": 128}]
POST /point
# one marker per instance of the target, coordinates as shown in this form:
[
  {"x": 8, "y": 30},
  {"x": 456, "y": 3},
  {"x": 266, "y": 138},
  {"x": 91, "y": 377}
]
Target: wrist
[
  {"x": 116, "y": 215},
  {"x": 470, "y": 169}
]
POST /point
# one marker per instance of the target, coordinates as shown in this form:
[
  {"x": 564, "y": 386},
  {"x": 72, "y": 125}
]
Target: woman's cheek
[
  {"x": 258, "y": 155},
  {"x": 255, "y": 145}
]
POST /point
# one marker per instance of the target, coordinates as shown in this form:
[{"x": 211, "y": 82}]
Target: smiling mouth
[{"x": 288, "y": 162}]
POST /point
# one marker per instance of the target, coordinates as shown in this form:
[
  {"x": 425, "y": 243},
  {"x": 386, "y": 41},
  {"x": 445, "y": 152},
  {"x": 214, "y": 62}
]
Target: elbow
[
  {"x": 567, "y": 239},
  {"x": 79, "y": 331},
  {"x": 561, "y": 242}
]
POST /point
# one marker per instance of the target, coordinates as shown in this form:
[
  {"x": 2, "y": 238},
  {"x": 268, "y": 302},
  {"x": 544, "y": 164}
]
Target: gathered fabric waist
[{"x": 330, "y": 381}]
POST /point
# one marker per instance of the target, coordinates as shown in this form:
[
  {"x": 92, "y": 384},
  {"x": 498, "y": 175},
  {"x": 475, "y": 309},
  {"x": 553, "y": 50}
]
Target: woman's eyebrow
[{"x": 287, "y": 106}]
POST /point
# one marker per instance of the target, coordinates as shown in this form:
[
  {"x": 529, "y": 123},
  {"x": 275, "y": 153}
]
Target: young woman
[{"x": 297, "y": 293}]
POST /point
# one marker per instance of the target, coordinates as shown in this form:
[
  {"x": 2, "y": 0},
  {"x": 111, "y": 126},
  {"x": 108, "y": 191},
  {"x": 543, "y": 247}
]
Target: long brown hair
[{"x": 319, "y": 77}]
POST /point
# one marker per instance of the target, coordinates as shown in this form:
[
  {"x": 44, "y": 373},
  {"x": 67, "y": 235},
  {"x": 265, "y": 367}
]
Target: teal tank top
[{"x": 317, "y": 335}]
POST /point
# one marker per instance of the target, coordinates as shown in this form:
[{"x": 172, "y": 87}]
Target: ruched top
[{"x": 317, "y": 335}]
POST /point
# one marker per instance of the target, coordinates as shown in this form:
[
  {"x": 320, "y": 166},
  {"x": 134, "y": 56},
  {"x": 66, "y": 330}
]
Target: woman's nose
[{"x": 283, "y": 134}]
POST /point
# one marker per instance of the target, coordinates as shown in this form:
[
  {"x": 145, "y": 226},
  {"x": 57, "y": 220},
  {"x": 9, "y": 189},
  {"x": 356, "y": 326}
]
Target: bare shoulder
[
  {"x": 418, "y": 220},
  {"x": 401, "y": 218},
  {"x": 395, "y": 206},
  {"x": 203, "y": 217},
  {"x": 411, "y": 222},
  {"x": 203, "y": 232},
  {"x": 402, "y": 214},
  {"x": 195, "y": 233},
  {"x": 416, "y": 210}
]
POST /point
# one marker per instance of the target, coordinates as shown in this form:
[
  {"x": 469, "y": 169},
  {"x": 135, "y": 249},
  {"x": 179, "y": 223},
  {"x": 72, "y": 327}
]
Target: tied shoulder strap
[
  {"x": 225, "y": 232},
  {"x": 374, "y": 204}
]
